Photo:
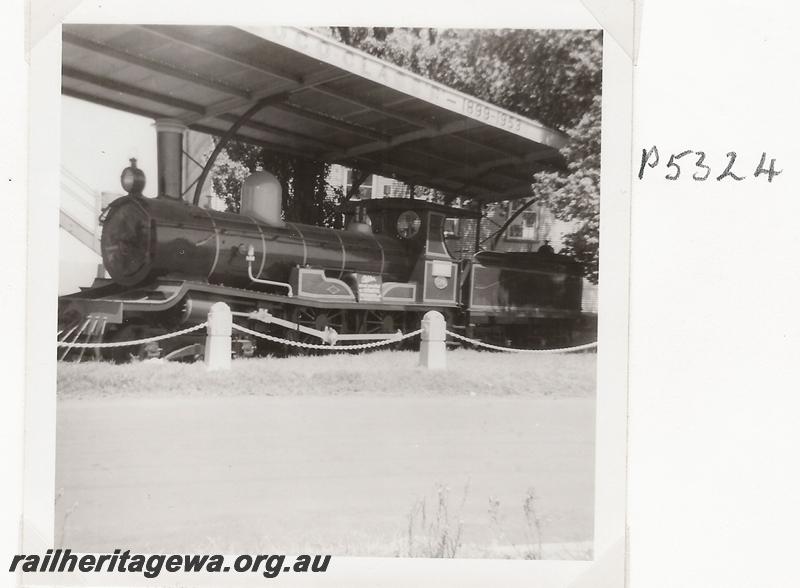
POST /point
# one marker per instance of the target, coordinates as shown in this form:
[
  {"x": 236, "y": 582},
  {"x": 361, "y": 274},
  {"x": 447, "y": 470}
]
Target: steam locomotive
[{"x": 169, "y": 261}]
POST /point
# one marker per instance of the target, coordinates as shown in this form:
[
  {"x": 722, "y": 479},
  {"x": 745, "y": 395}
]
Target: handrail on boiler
[{"x": 251, "y": 257}]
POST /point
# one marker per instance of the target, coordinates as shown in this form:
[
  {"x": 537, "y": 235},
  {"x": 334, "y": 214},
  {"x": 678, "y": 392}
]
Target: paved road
[{"x": 342, "y": 473}]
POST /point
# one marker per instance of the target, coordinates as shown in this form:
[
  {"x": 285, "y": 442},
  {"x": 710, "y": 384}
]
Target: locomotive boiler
[
  {"x": 148, "y": 238},
  {"x": 169, "y": 261}
]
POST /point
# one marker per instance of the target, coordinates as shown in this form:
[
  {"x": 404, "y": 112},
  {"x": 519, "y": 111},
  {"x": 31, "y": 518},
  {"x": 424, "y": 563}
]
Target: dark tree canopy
[
  {"x": 304, "y": 182},
  {"x": 553, "y": 76}
]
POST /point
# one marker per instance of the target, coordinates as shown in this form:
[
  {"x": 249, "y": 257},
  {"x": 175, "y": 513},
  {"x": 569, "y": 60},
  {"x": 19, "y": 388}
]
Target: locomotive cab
[{"x": 419, "y": 225}]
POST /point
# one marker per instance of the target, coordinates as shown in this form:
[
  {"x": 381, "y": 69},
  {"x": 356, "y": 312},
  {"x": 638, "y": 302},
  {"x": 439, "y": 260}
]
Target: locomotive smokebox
[
  {"x": 262, "y": 198},
  {"x": 127, "y": 240}
]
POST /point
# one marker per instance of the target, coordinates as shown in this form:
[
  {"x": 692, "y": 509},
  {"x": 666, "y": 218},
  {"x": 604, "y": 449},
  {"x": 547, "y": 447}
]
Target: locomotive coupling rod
[
  {"x": 327, "y": 336},
  {"x": 397, "y": 335}
]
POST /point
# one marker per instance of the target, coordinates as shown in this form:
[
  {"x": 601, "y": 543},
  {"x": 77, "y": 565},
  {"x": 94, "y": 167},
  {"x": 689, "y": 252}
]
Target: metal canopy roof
[{"x": 325, "y": 101}]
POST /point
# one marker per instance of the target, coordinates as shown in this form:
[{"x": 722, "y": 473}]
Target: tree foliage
[
  {"x": 303, "y": 182},
  {"x": 575, "y": 196},
  {"x": 548, "y": 75}
]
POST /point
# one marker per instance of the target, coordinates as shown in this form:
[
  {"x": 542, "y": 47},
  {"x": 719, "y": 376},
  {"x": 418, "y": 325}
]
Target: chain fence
[
  {"x": 479, "y": 343},
  {"x": 304, "y": 345},
  {"x": 321, "y": 347},
  {"x": 135, "y": 342}
]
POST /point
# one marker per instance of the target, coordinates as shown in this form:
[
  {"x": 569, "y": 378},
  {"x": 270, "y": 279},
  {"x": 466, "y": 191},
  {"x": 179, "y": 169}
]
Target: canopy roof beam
[
  {"x": 335, "y": 123},
  {"x": 449, "y": 161},
  {"x": 440, "y": 173},
  {"x": 518, "y": 191},
  {"x": 428, "y": 133},
  {"x": 471, "y": 171},
  {"x": 363, "y": 104},
  {"x": 224, "y": 53},
  {"x": 417, "y": 122},
  {"x": 205, "y": 128},
  {"x": 122, "y": 87},
  {"x": 167, "y": 100},
  {"x": 419, "y": 178},
  {"x": 153, "y": 65},
  {"x": 256, "y": 124},
  {"x": 109, "y": 103},
  {"x": 277, "y": 147},
  {"x": 289, "y": 88},
  {"x": 208, "y": 47}
]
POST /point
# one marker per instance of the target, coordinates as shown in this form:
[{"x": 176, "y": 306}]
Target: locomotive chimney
[
  {"x": 169, "y": 150},
  {"x": 261, "y": 198}
]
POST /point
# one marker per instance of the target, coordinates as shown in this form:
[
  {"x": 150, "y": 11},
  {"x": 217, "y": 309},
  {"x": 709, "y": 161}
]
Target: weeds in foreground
[
  {"x": 437, "y": 534},
  {"x": 67, "y": 513},
  {"x": 532, "y": 548},
  {"x": 533, "y": 525}
]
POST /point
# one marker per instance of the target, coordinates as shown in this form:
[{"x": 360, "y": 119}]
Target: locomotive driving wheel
[{"x": 379, "y": 321}]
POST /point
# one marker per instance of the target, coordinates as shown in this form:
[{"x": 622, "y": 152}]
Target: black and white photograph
[
  {"x": 343, "y": 295},
  {"x": 343, "y": 291}
]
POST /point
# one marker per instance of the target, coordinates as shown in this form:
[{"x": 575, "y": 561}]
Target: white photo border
[{"x": 608, "y": 566}]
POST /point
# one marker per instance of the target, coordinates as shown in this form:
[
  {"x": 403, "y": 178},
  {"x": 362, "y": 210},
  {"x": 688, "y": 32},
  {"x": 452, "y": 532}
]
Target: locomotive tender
[{"x": 169, "y": 261}]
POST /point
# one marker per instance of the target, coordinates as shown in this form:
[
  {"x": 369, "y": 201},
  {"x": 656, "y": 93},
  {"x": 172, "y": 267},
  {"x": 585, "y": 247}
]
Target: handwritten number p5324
[{"x": 702, "y": 172}]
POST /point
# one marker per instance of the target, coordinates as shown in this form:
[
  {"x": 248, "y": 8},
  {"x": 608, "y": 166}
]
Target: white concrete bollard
[
  {"x": 432, "y": 351},
  {"x": 218, "y": 337}
]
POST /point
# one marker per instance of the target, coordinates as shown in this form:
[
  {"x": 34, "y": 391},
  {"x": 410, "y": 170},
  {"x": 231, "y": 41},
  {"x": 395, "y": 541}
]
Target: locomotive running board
[{"x": 178, "y": 290}]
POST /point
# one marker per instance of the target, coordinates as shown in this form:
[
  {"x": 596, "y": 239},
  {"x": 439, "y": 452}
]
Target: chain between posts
[
  {"x": 370, "y": 345},
  {"x": 374, "y": 344},
  {"x": 135, "y": 342},
  {"x": 478, "y": 343}
]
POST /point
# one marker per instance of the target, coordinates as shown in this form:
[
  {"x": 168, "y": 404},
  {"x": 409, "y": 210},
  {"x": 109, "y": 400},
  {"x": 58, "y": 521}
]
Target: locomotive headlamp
[
  {"x": 408, "y": 224},
  {"x": 132, "y": 179}
]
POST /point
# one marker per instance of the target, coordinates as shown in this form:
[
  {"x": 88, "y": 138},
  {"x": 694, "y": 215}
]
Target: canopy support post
[
  {"x": 478, "y": 227},
  {"x": 363, "y": 174}
]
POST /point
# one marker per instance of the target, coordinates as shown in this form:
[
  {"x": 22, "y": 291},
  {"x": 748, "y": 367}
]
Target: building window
[
  {"x": 364, "y": 190},
  {"x": 525, "y": 226},
  {"x": 452, "y": 228}
]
